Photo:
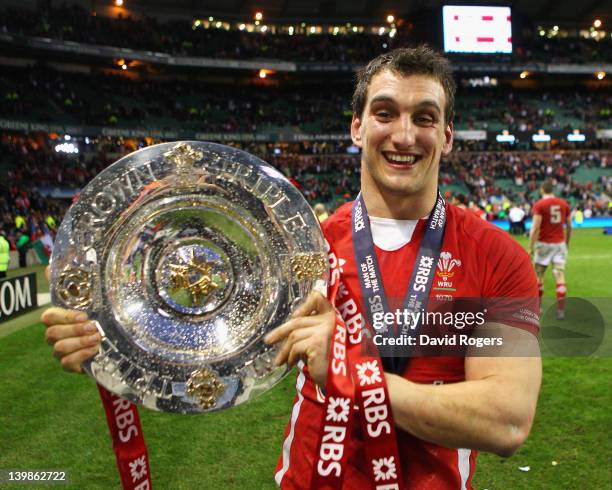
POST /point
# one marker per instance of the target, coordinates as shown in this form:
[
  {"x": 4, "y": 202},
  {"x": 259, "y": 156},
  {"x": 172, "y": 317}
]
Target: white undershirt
[{"x": 392, "y": 234}]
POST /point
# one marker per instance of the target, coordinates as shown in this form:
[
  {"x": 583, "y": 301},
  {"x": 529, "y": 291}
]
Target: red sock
[
  {"x": 561, "y": 293},
  {"x": 540, "y": 291}
]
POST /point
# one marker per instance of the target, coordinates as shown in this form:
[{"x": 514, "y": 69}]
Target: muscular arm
[
  {"x": 492, "y": 410},
  {"x": 535, "y": 231}
]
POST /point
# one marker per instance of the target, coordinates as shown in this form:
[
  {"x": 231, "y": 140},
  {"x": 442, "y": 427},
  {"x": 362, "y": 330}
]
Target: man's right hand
[
  {"x": 73, "y": 337},
  {"x": 307, "y": 335}
]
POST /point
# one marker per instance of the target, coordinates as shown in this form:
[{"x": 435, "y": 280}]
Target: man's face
[{"x": 402, "y": 134}]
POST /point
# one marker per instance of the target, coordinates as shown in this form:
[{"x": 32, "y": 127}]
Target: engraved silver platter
[{"x": 186, "y": 254}]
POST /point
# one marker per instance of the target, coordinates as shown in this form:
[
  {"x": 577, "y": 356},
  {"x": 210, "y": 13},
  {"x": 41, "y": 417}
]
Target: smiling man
[
  {"x": 444, "y": 409},
  {"x": 403, "y": 131}
]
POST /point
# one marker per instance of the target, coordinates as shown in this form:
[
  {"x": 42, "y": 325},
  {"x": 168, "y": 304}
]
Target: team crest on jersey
[{"x": 446, "y": 271}]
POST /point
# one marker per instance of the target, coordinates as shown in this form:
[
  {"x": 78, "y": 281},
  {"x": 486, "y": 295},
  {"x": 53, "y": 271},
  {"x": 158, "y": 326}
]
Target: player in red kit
[
  {"x": 445, "y": 409},
  {"x": 549, "y": 240},
  {"x": 442, "y": 410},
  {"x": 486, "y": 264}
]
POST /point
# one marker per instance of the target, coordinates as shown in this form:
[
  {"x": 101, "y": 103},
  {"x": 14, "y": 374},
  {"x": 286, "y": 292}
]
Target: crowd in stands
[
  {"x": 489, "y": 181},
  {"x": 533, "y": 48},
  {"x": 43, "y": 95},
  {"x": 74, "y": 23},
  {"x": 179, "y": 37},
  {"x": 327, "y": 178},
  {"x": 485, "y": 176},
  {"x": 29, "y": 221},
  {"x": 531, "y": 110},
  {"x": 494, "y": 179}
]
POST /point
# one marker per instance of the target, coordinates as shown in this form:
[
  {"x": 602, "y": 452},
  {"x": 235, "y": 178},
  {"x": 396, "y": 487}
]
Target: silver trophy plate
[{"x": 186, "y": 254}]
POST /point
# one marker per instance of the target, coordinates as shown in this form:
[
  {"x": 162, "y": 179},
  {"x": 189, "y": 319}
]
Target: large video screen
[{"x": 470, "y": 29}]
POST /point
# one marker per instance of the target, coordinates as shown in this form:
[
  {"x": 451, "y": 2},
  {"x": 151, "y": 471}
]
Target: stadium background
[{"x": 84, "y": 83}]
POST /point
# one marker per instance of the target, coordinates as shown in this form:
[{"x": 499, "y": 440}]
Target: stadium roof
[{"x": 562, "y": 11}]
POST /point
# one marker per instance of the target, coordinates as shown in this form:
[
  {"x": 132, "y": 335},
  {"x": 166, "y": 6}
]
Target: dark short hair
[
  {"x": 420, "y": 60},
  {"x": 547, "y": 186},
  {"x": 461, "y": 199}
]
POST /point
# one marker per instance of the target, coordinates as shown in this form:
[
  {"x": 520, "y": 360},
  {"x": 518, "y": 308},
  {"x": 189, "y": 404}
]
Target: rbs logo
[{"x": 124, "y": 418}]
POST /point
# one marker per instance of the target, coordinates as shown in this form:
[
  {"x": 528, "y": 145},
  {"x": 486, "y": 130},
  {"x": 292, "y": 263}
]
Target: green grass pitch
[{"x": 53, "y": 420}]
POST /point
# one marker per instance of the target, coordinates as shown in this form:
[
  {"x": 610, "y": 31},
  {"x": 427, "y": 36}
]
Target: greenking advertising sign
[{"x": 17, "y": 296}]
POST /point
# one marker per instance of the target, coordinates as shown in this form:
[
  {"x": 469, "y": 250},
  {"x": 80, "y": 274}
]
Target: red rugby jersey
[
  {"x": 477, "y": 260},
  {"x": 554, "y": 212}
]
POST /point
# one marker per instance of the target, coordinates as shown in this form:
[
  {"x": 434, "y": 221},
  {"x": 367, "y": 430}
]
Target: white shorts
[{"x": 545, "y": 253}]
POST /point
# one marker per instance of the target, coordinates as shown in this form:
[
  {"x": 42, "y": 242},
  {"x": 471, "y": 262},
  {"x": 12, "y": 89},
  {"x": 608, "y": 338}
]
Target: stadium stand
[
  {"x": 68, "y": 109},
  {"x": 42, "y": 94},
  {"x": 209, "y": 39}
]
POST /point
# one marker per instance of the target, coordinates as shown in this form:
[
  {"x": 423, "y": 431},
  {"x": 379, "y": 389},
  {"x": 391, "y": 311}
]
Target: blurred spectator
[
  {"x": 321, "y": 212},
  {"x": 516, "y": 217},
  {"x": 23, "y": 244},
  {"x": 460, "y": 201},
  {"x": 578, "y": 217},
  {"x": 477, "y": 210},
  {"x": 4, "y": 253}
]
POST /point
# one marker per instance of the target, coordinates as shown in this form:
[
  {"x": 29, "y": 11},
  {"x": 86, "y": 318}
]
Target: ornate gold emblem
[
  {"x": 74, "y": 287},
  {"x": 181, "y": 274},
  {"x": 205, "y": 387},
  {"x": 308, "y": 265},
  {"x": 183, "y": 156}
]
